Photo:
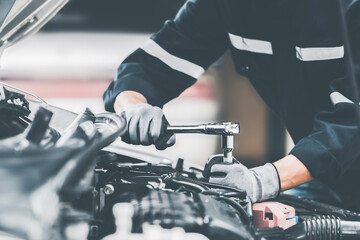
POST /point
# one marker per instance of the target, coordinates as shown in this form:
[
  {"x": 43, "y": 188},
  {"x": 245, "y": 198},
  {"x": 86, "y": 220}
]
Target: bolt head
[{"x": 109, "y": 189}]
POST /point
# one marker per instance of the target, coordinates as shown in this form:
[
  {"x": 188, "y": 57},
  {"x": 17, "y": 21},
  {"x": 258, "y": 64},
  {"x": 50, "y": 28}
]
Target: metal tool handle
[
  {"x": 227, "y": 128},
  {"x": 186, "y": 129}
]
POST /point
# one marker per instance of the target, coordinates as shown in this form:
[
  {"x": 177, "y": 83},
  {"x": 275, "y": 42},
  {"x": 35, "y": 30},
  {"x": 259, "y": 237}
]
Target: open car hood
[{"x": 20, "y": 18}]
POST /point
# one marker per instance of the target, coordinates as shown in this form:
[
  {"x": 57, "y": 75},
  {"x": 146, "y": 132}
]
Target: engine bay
[{"x": 62, "y": 178}]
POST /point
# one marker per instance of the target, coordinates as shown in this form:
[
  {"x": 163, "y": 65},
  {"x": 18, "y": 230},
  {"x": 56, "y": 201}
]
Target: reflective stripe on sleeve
[
  {"x": 337, "y": 97},
  {"x": 318, "y": 54},
  {"x": 251, "y": 45},
  {"x": 176, "y": 63},
  {"x": 2, "y": 93}
]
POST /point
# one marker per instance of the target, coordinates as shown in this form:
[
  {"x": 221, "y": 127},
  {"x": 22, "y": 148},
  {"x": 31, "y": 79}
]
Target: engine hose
[
  {"x": 324, "y": 227},
  {"x": 245, "y": 217}
]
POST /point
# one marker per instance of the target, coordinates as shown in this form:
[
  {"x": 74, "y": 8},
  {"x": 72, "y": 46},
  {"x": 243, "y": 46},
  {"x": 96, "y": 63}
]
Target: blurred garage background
[{"x": 74, "y": 58}]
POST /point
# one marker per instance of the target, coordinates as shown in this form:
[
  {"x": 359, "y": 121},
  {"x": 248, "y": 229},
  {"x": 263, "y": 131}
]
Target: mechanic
[{"x": 293, "y": 54}]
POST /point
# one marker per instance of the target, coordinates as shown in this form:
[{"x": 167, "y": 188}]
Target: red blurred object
[
  {"x": 273, "y": 214},
  {"x": 58, "y": 88},
  {"x": 200, "y": 90},
  {"x": 63, "y": 88}
]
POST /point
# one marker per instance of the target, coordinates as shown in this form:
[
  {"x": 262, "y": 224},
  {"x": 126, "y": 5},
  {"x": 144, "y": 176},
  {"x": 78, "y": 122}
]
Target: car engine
[{"x": 62, "y": 177}]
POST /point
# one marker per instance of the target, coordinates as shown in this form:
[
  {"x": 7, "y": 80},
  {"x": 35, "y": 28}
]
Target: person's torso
[{"x": 281, "y": 46}]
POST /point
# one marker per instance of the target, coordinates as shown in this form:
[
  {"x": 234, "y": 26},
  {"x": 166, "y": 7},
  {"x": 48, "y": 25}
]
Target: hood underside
[{"x": 19, "y": 18}]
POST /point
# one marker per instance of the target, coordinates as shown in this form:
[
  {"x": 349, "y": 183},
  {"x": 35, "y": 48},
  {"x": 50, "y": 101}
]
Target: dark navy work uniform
[{"x": 292, "y": 51}]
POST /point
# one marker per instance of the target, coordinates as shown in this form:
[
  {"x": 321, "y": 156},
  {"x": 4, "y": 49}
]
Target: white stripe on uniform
[
  {"x": 176, "y": 63},
  {"x": 337, "y": 97},
  {"x": 251, "y": 45},
  {"x": 2, "y": 92},
  {"x": 318, "y": 54}
]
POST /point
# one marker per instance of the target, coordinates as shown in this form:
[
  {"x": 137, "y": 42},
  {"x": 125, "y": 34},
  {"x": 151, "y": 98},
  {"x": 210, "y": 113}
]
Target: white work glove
[
  {"x": 260, "y": 183},
  {"x": 146, "y": 125}
]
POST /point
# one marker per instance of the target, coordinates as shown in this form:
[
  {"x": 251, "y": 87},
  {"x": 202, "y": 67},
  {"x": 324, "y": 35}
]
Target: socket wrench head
[
  {"x": 226, "y": 128},
  {"x": 227, "y": 142}
]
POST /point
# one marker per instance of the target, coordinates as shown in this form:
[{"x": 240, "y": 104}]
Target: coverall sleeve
[
  {"x": 322, "y": 151},
  {"x": 174, "y": 57}
]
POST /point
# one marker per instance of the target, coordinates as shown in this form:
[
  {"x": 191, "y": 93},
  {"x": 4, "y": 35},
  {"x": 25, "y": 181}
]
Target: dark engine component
[
  {"x": 45, "y": 173},
  {"x": 208, "y": 215},
  {"x": 14, "y": 109},
  {"x": 167, "y": 209},
  {"x": 161, "y": 196}
]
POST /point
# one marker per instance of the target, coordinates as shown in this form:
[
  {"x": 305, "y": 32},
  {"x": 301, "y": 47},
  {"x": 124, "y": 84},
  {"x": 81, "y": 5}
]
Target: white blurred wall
[{"x": 69, "y": 55}]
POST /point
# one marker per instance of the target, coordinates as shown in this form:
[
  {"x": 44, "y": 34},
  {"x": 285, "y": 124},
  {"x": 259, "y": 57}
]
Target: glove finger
[
  {"x": 171, "y": 141},
  {"x": 165, "y": 139},
  {"x": 218, "y": 175},
  {"x": 133, "y": 129},
  {"x": 216, "y": 180},
  {"x": 219, "y": 158},
  {"x": 220, "y": 170},
  {"x": 144, "y": 131},
  {"x": 125, "y": 137},
  {"x": 227, "y": 167},
  {"x": 215, "y": 159},
  {"x": 155, "y": 129}
]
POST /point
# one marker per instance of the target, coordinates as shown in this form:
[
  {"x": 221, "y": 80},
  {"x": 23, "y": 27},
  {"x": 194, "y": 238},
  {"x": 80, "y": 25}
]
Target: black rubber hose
[{"x": 245, "y": 217}]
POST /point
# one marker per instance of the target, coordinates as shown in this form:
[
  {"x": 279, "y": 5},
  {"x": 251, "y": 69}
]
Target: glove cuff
[
  {"x": 278, "y": 177},
  {"x": 266, "y": 181}
]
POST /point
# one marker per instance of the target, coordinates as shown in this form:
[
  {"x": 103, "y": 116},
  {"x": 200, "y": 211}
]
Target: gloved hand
[
  {"x": 146, "y": 125},
  {"x": 260, "y": 183}
]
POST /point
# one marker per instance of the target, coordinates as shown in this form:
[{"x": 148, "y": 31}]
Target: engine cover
[{"x": 209, "y": 215}]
